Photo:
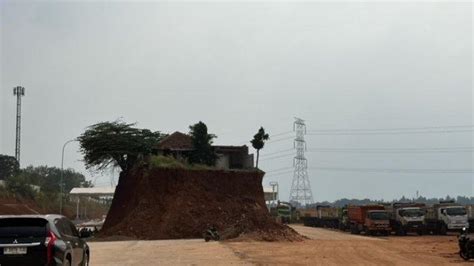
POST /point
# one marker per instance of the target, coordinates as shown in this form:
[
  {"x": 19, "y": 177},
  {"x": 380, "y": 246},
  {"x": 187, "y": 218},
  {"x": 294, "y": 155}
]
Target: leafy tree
[
  {"x": 8, "y": 166},
  {"x": 203, "y": 152},
  {"x": 258, "y": 141},
  {"x": 116, "y": 143},
  {"x": 49, "y": 178},
  {"x": 20, "y": 186}
]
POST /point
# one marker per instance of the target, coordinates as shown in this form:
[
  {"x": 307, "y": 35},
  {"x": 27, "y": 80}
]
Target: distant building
[{"x": 179, "y": 145}]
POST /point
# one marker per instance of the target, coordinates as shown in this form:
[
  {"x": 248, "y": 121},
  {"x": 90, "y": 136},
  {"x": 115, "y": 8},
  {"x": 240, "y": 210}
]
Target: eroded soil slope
[{"x": 166, "y": 203}]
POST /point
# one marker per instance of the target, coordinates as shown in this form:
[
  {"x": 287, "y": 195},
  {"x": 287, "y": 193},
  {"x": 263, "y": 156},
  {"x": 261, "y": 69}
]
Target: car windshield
[
  {"x": 411, "y": 213},
  {"x": 455, "y": 211},
  {"x": 378, "y": 215}
]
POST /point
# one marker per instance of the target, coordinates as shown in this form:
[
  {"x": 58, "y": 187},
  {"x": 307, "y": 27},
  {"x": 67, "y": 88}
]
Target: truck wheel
[
  {"x": 420, "y": 232},
  {"x": 443, "y": 230},
  {"x": 401, "y": 232},
  {"x": 463, "y": 255},
  {"x": 352, "y": 229}
]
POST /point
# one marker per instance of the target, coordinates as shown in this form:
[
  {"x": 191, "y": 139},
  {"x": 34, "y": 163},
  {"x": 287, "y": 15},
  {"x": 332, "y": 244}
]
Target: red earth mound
[{"x": 178, "y": 203}]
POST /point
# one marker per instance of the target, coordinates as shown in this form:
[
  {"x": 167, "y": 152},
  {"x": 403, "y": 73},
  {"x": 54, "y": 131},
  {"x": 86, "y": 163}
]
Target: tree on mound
[
  {"x": 203, "y": 152},
  {"x": 116, "y": 144},
  {"x": 258, "y": 141}
]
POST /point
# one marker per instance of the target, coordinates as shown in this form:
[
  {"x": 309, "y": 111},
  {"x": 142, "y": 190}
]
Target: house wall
[
  {"x": 248, "y": 163},
  {"x": 222, "y": 161}
]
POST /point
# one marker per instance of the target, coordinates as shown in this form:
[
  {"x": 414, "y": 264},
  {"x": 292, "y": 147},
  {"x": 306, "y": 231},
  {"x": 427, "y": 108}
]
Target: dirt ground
[{"x": 324, "y": 247}]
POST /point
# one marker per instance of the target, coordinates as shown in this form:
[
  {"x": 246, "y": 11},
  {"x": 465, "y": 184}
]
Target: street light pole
[
  {"x": 61, "y": 185},
  {"x": 274, "y": 184}
]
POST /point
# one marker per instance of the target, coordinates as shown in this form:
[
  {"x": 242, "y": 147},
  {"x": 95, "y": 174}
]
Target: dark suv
[{"x": 41, "y": 240}]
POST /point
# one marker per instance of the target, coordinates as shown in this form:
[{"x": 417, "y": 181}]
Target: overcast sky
[{"x": 238, "y": 66}]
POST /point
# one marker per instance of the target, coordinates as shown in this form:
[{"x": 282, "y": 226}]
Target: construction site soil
[
  {"x": 13, "y": 206},
  {"x": 166, "y": 203}
]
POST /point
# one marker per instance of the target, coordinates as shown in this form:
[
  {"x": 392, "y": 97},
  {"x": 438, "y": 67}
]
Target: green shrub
[{"x": 161, "y": 161}]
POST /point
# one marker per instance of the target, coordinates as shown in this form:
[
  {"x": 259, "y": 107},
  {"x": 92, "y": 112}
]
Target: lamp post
[
  {"x": 61, "y": 185},
  {"x": 274, "y": 184}
]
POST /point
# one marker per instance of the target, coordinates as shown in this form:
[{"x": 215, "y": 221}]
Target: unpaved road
[{"x": 325, "y": 247}]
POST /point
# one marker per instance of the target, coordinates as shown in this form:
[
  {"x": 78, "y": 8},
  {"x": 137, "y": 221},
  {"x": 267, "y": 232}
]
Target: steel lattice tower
[
  {"x": 18, "y": 92},
  {"x": 300, "y": 187}
]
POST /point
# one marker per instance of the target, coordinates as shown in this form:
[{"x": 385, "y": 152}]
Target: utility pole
[
  {"x": 61, "y": 185},
  {"x": 300, "y": 187},
  {"x": 18, "y": 92},
  {"x": 274, "y": 192}
]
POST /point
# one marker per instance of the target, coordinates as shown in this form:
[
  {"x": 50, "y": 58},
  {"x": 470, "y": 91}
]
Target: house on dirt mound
[{"x": 179, "y": 145}]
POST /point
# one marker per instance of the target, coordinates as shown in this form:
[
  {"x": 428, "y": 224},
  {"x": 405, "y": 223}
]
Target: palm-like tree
[{"x": 258, "y": 141}]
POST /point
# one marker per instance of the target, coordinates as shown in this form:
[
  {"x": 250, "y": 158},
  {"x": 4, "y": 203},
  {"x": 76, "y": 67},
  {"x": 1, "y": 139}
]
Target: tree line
[
  {"x": 464, "y": 200},
  {"x": 22, "y": 182}
]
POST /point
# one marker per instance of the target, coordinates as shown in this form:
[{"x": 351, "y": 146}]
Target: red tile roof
[{"x": 176, "y": 141}]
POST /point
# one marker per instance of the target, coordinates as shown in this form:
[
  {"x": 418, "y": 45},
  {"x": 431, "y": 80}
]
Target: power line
[
  {"x": 282, "y": 173},
  {"x": 392, "y": 129},
  {"x": 393, "y": 150},
  {"x": 280, "y": 154},
  {"x": 390, "y": 133},
  {"x": 276, "y": 157},
  {"x": 396, "y": 170},
  {"x": 271, "y": 138},
  {"x": 278, "y": 140},
  {"x": 281, "y": 134},
  {"x": 398, "y": 149},
  {"x": 273, "y": 153},
  {"x": 277, "y": 170},
  {"x": 377, "y": 170}
]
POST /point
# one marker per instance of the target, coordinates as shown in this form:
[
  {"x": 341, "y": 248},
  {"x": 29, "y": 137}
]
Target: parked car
[{"x": 41, "y": 240}]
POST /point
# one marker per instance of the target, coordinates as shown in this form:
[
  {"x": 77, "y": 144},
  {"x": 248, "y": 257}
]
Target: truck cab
[
  {"x": 377, "y": 221},
  {"x": 284, "y": 211},
  {"x": 409, "y": 219},
  {"x": 370, "y": 219},
  {"x": 453, "y": 217}
]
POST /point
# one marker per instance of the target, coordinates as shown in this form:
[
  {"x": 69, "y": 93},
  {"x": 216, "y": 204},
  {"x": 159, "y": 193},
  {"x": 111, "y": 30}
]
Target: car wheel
[{"x": 67, "y": 262}]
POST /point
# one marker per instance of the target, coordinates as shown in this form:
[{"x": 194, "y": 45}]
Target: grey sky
[{"x": 237, "y": 66}]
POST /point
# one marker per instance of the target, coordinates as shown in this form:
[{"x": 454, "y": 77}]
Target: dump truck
[
  {"x": 327, "y": 216},
  {"x": 407, "y": 217},
  {"x": 470, "y": 217},
  {"x": 322, "y": 216},
  {"x": 344, "y": 223},
  {"x": 308, "y": 216},
  {"x": 446, "y": 216},
  {"x": 284, "y": 211},
  {"x": 370, "y": 219}
]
